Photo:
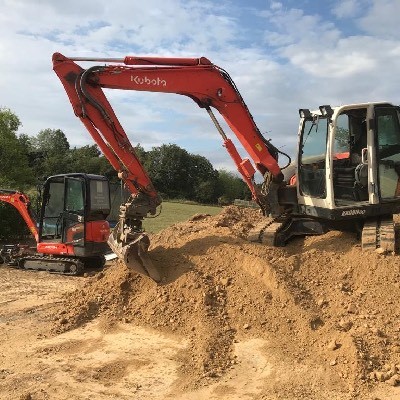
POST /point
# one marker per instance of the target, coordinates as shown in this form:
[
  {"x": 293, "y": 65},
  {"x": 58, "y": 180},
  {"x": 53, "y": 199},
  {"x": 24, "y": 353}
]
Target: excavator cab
[
  {"x": 349, "y": 168},
  {"x": 73, "y": 215}
]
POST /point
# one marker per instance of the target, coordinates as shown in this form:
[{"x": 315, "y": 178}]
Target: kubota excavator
[
  {"x": 347, "y": 168},
  {"x": 71, "y": 231}
]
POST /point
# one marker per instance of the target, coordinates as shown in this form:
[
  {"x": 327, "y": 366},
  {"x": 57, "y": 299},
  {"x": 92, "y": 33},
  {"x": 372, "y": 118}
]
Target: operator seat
[
  {"x": 361, "y": 175},
  {"x": 351, "y": 182}
]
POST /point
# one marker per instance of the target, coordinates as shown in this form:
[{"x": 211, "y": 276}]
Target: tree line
[{"x": 25, "y": 160}]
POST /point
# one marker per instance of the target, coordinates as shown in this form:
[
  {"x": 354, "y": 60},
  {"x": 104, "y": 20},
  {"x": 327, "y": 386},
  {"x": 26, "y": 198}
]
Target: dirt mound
[{"x": 319, "y": 301}]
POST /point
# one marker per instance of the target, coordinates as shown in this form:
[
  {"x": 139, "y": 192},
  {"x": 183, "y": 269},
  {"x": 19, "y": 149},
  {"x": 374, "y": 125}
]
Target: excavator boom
[
  {"x": 208, "y": 85},
  {"x": 22, "y": 203},
  {"x": 197, "y": 78}
]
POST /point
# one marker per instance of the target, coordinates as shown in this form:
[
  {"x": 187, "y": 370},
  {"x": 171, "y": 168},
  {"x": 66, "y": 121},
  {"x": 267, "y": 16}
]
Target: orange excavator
[
  {"x": 71, "y": 231},
  {"x": 346, "y": 171},
  {"x": 209, "y": 86}
]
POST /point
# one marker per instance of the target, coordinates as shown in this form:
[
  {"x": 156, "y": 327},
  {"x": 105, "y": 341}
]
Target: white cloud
[
  {"x": 382, "y": 19},
  {"x": 346, "y": 8},
  {"x": 319, "y": 49},
  {"x": 295, "y": 26},
  {"x": 343, "y": 61}
]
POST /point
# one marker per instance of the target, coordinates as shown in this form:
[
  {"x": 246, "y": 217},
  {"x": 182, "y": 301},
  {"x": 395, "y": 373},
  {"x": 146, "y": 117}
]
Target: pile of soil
[{"x": 318, "y": 301}]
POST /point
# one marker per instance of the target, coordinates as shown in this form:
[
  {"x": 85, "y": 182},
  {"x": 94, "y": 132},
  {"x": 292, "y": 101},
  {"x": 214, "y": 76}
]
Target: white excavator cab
[{"x": 348, "y": 165}]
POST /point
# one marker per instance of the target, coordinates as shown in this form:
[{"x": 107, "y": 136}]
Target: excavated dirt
[{"x": 317, "y": 319}]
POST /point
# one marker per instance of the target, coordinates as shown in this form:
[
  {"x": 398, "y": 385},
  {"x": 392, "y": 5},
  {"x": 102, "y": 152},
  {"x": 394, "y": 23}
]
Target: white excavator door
[
  {"x": 350, "y": 162},
  {"x": 387, "y": 128}
]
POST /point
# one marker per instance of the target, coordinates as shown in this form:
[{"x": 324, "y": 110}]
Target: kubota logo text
[{"x": 147, "y": 81}]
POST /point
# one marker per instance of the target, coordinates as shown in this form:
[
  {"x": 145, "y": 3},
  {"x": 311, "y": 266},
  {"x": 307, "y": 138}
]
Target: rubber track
[
  {"x": 269, "y": 233},
  {"x": 369, "y": 236},
  {"x": 265, "y": 231},
  {"x": 387, "y": 235},
  {"x": 378, "y": 234},
  {"x": 68, "y": 262},
  {"x": 255, "y": 234}
]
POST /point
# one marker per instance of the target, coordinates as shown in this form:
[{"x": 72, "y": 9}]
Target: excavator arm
[
  {"x": 22, "y": 203},
  {"x": 197, "y": 78}
]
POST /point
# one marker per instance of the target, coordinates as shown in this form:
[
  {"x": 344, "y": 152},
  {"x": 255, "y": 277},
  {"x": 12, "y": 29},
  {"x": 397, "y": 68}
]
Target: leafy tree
[
  {"x": 205, "y": 180},
  {"x": 179, "y": 174},
  {"x": 14, "y": 172},
  {"x": 206, "y": 192},
  {"x": 35, "y": 157},
  {"x": 26, "y": 143},
  {"x": 89, "y": 159},
  {"x": 141, "y": 153},
  {"x": 51, "y": 141},
  {"x": 169, "y": 169},
  {"x": 14, "y": 169},
  {"x": 52, "y": 150},
  {"x": 232, "y": 187}
]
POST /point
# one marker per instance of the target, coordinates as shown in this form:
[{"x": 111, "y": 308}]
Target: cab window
[{"x": 312, "y": 157}]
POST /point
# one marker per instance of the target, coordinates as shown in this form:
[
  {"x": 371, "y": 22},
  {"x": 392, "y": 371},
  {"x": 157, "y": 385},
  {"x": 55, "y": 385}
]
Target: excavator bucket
[{"x": 135, "y": 254}]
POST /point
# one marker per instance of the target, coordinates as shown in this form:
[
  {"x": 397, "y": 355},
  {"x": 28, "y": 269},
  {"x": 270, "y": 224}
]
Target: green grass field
[{"x": 176, "y": 212}]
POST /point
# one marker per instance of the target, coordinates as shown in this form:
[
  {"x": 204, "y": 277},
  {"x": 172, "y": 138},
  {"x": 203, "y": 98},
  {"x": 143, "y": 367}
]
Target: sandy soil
[{"x": 317, "y": 319}]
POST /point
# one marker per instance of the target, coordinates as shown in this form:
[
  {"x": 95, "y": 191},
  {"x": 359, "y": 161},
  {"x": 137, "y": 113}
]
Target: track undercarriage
[
  {"x": 65, "y": 266},
  {"x": 21, "y": 257},
  {"x": 378, "y": 234}
]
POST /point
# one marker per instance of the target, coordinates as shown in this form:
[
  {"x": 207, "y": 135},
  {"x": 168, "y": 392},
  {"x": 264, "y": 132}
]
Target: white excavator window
[
  {"x": 341, "y": 144},
  {"x": 388, "y": 134},
  {"x": 312, "y": 157},
  {"x": 349, "y": 141}
]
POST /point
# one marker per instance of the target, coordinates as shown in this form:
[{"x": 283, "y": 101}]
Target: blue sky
[{"x": 283, "y": 55}]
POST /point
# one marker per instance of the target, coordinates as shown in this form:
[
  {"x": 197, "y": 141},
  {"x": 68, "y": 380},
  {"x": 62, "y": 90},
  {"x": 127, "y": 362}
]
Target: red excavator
[
  {"x": 347, "y": 167},
  {"x": 71, "y": 231}
]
